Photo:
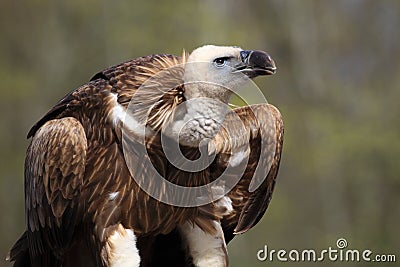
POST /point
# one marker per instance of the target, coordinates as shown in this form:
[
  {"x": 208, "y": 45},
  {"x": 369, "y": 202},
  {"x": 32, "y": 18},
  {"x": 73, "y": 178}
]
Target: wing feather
[
  {"x": 253, "y": 136},
  {"x": 54, "y": 170},
  {"x": 75, "y": 161}
]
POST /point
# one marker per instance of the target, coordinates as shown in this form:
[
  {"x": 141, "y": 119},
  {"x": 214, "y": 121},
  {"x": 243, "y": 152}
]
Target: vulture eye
[{"x": 221, "y": 61}]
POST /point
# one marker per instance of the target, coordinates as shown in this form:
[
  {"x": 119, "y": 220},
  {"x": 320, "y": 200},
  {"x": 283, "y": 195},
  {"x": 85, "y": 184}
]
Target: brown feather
[
  {"x": 259, "y": 122},
  {"x": 76, "y": 160}
]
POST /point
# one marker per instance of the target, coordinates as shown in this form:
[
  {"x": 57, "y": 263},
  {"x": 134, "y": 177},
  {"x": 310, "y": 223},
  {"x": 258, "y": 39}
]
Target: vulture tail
[{"x": 19, "y": 253}]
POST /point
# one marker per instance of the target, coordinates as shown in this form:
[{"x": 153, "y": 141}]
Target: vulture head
[
  {"x": 211, "y": 74},
  {"x": 215, "y": 71}
]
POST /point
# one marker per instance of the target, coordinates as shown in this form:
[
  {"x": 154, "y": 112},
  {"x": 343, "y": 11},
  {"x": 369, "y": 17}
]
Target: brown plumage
[{"x": 79, "y": 189}]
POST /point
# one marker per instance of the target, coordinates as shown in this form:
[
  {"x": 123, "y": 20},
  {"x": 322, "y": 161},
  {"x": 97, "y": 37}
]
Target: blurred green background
[{"x": 337, "y": 86}]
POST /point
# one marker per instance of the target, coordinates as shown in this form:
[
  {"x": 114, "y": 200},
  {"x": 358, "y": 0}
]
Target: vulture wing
[
  {"x": 54, "y": 170},
  {"x": 251, "y": 139},
  {"x": 77, "y": 182}
]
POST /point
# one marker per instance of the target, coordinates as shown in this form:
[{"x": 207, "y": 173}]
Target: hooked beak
[{"x": 256, "y": 63}]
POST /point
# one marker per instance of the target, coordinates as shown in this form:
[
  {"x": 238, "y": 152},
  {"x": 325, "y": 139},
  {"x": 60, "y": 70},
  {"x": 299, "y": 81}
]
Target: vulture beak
[{"x": 256, "y": 63}]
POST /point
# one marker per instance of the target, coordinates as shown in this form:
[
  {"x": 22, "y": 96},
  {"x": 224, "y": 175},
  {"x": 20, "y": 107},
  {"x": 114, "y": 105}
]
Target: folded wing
[
  {"x": 250, "y": 145},
  {"x": 54, "y": 170}
]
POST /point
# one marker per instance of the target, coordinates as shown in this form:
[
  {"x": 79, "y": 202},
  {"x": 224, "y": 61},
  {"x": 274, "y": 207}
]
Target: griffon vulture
[{"x": 102, "y": 187}]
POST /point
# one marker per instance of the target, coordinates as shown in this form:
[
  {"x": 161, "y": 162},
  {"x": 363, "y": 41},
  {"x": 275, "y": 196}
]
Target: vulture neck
[{"x": 199, "y": 118}]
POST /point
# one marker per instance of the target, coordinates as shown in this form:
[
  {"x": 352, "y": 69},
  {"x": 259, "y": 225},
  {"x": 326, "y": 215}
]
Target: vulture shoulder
[{"x": 123, "y": 80}]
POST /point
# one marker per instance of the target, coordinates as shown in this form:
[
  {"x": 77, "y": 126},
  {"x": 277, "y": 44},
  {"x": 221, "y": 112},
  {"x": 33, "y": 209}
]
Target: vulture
[{"x": 147, "y": 164}]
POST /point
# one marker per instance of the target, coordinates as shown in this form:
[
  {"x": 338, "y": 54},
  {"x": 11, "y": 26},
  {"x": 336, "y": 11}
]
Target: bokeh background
[{"x": 337, "y": 86}]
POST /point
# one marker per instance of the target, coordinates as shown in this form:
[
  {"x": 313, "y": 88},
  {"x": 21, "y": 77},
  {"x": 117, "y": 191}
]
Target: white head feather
[{"x": 204, "y": 77}]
